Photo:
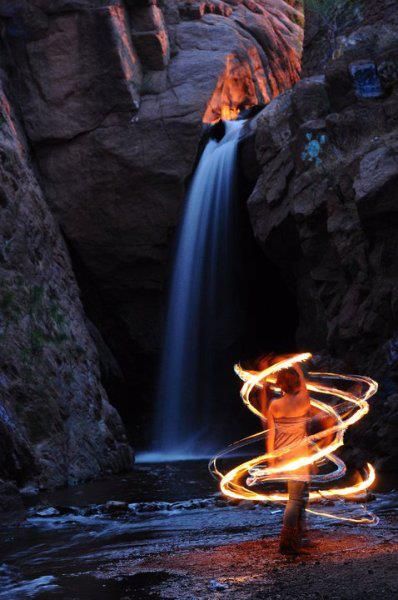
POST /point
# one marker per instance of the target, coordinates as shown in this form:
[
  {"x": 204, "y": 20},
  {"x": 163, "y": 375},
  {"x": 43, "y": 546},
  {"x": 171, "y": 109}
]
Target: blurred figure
[{"x": 287, "y": 421}]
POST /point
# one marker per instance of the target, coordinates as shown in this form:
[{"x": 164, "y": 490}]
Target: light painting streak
[{"x": 238, "y": 483}]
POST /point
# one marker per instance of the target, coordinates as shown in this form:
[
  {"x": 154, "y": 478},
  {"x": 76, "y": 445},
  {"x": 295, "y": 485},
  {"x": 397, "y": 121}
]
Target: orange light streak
[{"x": 239, "y": 481}]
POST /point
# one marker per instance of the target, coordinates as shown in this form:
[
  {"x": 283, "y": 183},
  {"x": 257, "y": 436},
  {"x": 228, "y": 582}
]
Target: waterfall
[{"x": 204, "y": 314}]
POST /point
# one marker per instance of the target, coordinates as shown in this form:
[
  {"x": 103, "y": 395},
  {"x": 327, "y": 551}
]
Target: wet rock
[
  {"x": 29, "y": 490},
  {"x": 49, "y": 511},
  {"x": 69, "y": 510},
  {"x": 115, "y": 506},
  {"x": 217, "y": 586},
  {"x": 247, "y": 505},
  {"x": 144, "y": 507},
  {"x": 93, "y": 509},
  {"x": 194, "y": 504},
  {"x": 221, "y": 503}
]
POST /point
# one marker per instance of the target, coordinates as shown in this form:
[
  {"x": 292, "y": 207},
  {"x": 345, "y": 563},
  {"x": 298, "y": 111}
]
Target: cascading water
[{"x": 204, "y": 314}]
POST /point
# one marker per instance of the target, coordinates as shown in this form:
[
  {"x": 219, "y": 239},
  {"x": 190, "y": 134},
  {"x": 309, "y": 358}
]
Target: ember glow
[{"x": 342, "y": 407}]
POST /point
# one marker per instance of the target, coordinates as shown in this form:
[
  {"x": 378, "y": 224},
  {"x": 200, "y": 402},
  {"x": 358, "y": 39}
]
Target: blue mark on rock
[
  {"x": 313, "y": 148},
  {"x": 366, "y": 79}
]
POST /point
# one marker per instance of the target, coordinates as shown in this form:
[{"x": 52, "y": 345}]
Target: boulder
[{"x": 75, "y": 84}]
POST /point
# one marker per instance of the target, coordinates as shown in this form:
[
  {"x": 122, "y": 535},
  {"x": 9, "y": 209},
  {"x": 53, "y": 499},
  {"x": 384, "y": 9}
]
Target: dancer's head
[{"x": 288, "y": 380}]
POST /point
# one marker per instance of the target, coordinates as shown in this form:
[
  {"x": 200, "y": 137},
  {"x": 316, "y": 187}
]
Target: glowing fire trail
[{"x": 239, "y": 481}]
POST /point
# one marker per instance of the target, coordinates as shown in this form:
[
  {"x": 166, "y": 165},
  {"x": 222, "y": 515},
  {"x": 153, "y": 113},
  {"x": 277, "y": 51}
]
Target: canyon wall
[
  {"x": 112, "y": 96},
  {"x": 56, "y": 424},
  {"x": 324, "y": 208}
]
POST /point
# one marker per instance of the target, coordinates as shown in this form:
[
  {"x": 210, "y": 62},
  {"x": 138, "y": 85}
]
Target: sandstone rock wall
[
  {"x": 56, "y": 425},
  {"x": 112, "y": 96},
  {"x": 325, "y": 207}
]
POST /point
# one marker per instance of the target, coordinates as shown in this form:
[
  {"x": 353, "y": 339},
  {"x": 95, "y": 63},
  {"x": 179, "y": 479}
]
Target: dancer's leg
[
  {"x": 290, "y": 534},
  {"x": 298, "y": 496}
]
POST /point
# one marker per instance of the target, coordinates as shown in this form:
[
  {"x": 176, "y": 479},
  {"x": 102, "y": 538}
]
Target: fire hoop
[{"x": 239, "y": 481}]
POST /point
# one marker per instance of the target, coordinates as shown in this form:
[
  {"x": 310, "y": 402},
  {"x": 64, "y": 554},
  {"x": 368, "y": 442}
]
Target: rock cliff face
[
  {"x": 325, "y": 206},
  {"x": 112, "y": 96},
  {"x": 56, "y": 425}
]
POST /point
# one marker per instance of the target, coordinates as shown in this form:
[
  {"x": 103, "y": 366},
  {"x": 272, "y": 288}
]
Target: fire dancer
[
  {"x": 292, "y": 449},
  {"x": 287, "y": 421}
]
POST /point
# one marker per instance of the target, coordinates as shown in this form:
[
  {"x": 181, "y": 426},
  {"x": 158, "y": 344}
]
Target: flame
[{"x": 237, "y": 482}]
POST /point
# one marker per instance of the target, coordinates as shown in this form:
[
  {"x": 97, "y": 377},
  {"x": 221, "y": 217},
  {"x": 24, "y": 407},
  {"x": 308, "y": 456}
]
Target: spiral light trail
[{"x": 238, "y": 483}]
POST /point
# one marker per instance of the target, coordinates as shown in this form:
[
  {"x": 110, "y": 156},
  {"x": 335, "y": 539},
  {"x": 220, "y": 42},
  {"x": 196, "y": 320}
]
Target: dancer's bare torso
[{"x": 288, "y": 418}]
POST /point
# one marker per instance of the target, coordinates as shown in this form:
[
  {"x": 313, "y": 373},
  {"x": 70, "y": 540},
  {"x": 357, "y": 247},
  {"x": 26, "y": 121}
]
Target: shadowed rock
[
  {"x": 56, "y": 425},
  {"x": 324, "y": 210}
]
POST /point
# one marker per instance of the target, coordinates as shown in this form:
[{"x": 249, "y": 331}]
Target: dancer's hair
[{"x": 288, "y": 380}]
